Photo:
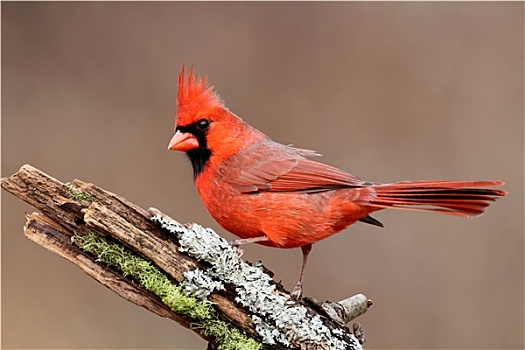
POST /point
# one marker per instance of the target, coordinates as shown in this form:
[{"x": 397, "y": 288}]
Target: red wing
[{"x": 292, "y": 175}]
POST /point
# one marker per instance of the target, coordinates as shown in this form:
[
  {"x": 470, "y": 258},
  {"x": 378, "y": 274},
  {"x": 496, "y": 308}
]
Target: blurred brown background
[{"x": 388, "y": 91}]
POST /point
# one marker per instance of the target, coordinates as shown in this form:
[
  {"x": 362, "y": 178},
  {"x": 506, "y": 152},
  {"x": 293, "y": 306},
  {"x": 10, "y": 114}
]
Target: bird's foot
[
  {"x": 236, "y": 246},
  {"x": 297, "y": 291}
]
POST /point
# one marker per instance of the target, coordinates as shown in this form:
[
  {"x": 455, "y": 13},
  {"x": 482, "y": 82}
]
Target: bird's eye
[{"x": 203, "y": 124}]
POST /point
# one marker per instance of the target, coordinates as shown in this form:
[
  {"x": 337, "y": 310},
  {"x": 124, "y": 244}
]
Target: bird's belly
[{"x": 288, "y": 220}]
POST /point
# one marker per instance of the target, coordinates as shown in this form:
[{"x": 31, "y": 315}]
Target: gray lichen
[
  {"x": 291, "y": 324},
  {"x": 198, "y": 284}
]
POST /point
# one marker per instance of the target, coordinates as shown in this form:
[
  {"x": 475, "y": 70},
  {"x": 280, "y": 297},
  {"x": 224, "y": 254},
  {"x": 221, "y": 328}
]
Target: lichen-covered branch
[{"x": 183, "y": 272}]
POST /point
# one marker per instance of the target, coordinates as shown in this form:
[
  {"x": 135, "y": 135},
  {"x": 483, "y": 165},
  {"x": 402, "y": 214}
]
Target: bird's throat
[{"x": 199, "y": 158}]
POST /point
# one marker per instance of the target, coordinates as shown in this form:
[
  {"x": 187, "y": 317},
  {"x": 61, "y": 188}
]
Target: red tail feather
[{"x": 462, "y": 198}]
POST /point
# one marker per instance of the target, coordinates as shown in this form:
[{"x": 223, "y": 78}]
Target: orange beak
[{"x": 183, "y": 141}]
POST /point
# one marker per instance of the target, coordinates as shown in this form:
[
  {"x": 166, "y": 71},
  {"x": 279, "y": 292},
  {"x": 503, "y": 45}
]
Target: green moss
[
  {"x": 201, "y": 312},
  {"x": 78, "y": 195}
]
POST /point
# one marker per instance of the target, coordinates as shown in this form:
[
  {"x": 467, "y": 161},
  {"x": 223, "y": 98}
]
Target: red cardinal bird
[{"x": 271, "y": 194}]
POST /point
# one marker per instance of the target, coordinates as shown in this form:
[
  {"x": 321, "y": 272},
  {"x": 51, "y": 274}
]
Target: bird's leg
[
  {"x": 298, "y": 290},
  {"x": 238, "y": 242}
]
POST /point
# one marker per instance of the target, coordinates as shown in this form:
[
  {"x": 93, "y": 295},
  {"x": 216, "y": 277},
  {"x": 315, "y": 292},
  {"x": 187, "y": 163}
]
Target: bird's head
[{"x": 204, "y": 128}]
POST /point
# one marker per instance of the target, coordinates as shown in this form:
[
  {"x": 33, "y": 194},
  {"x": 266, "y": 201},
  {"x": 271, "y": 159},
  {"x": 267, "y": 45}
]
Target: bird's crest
[{"x": 195, "y": 98}]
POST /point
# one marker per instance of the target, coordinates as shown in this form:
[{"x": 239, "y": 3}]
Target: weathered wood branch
[{"x": 183, "y": 272}]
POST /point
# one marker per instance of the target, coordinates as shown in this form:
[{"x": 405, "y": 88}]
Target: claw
[
  {"x": 297, "y": 292},
  {"x": 237, "y": 248}
]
